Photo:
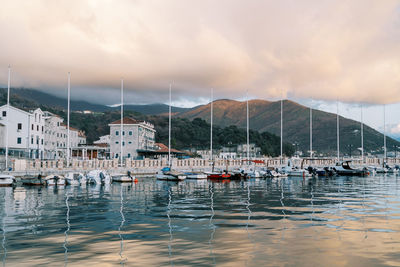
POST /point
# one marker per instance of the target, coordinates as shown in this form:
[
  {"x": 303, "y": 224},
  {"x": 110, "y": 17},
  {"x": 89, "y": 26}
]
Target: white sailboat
[
  {"x": 213, "y": 174},
  {"x": 167, "y": 173},
  {"x": 250, "y": 172}
]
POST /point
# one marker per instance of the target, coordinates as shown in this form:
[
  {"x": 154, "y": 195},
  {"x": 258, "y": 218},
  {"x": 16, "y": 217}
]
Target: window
[
  {"x": 123, "y": 132},
  {"x": 19, "y": 126},
  {"x": 116, "y": 132},
  {"x": 37, "y": 140},
  {"x": 129, "y": 155},
  {"x": 32, "y": 140},
  {"x": 123, "y": 143},
  {"x": 32, "y": 126},
  {"x": 37, "y": 128},
  {"x": 42, "y": 141},
  {"x": 130, "y": 133},
  {"x": 42, "y": 129},
  {"x": 116, "y": 155},
  {"x": 129, "y": 142},
  {"x": 19, "y": 140},
  {"x": 117, "y": 142},
  {"x": 35, "y": 117},
  {"x": 4, "y": 113}
]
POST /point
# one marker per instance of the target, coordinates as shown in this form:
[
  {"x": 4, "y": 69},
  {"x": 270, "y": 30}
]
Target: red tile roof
[
  {"x": 164, "y": 148},
  {"x": 126, "y": 120}
]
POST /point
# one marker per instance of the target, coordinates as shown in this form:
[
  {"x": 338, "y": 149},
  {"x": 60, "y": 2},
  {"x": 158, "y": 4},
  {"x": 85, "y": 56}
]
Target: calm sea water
[{"x": 315, "y": 222}]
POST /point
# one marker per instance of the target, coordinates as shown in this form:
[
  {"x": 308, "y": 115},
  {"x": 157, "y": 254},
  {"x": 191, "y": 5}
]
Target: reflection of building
[
  {"x": 25, "y": 132},
  {"x": 137, "y": 135}
]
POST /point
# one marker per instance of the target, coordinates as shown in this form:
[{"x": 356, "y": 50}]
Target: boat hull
[
  {"x": 123, "y": 179},
  {"x": 218, "y": 176},
  {"x": 167, "y": 177}
]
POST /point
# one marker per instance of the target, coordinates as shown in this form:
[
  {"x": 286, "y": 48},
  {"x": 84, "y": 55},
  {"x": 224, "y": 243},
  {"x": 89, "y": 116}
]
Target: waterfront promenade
[{"x": 21, "y": 167}]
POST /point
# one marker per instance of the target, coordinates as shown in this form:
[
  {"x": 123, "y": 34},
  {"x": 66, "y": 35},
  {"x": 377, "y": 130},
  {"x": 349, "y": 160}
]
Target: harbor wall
[{"x": 151, "y": 166}]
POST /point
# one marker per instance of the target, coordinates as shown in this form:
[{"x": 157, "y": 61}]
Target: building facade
[
  {"x": 56, "y": 137},
  {"x": 25, "y": 132},
  {"x": 136, "y": 136}
]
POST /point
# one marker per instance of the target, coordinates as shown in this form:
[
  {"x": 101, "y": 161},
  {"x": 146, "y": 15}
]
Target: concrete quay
[{"x": 148, "y": 167}]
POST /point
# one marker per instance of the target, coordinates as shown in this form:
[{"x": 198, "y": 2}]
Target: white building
[
  {"x": 25, "y": 132},
  {"x": 105, "y": 139},
  {"x": 137, "y": 136},
  {"x": 56, "y": 137},
  {"x": 81, "y": 138}
]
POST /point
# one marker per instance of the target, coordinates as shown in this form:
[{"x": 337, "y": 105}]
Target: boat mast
[
  {"x": 311, "y": 147},
  {"x": 169, "y": 129},
  {"x": 384, "y": 132},
  {"x": 122, "y": 121},
  {"x": 337, "y": 130},
  {"x": 281, "y": 128},
  {"x": 8, "y": 113},
  {"x": 69, "y": 107},
  {"x": 211, "y": 128},
  {"x": 248, "y": 138},
  {"x": 362, "y": 135}
]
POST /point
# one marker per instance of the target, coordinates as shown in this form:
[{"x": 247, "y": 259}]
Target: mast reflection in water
[{"x": 338, "y": 221}]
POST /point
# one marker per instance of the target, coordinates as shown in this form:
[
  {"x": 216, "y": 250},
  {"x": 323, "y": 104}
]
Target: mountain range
[{"x": 264, "y": 116}]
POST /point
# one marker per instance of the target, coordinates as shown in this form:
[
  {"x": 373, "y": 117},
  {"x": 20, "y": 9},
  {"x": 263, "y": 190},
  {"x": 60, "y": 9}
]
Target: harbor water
[{"x": 339, "y": 221}]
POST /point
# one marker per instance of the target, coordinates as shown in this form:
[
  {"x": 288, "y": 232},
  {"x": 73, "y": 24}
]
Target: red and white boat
[{"x": 218, "y": 175}]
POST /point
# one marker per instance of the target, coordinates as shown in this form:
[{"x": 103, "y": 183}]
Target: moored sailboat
[{"x": 166, "y": 173}]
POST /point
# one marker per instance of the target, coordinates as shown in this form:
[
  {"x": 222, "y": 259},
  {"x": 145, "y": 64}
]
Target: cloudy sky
[{"x": 322, "y": 50}]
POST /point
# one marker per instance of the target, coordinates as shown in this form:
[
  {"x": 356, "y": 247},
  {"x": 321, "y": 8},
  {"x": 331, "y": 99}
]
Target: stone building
[{"x": 136, "y": 135}]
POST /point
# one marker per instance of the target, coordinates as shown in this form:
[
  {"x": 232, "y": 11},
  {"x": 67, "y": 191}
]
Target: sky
[{"x": 314, "y": 52}]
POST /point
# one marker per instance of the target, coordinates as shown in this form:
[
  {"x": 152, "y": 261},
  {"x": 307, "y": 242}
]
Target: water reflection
[
  {"x": 339, "y": 221},
  {"x": 169, "y": 225},
  {"x": 121, "y": 211},
  {"x": 67, "y": 230},
  {"x": 211, "y": 225}
]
